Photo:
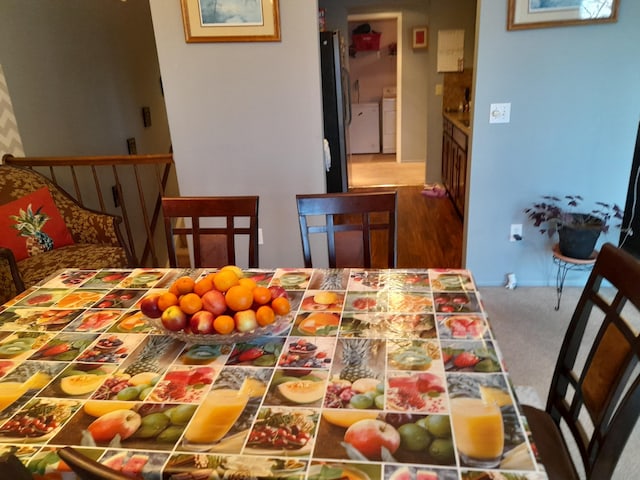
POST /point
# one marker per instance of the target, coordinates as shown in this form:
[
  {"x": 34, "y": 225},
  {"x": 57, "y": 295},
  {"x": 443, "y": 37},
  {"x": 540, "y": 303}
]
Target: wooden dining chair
[
  {"x": 358, "y": 227},
  {"x": 213, "y": 223},
  {"x": 594, "y": 399},
  {"x": 86, "y": 468}
]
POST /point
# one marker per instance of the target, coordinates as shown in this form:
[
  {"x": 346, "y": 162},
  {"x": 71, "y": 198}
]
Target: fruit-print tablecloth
[{"x": 360, "y": 386}]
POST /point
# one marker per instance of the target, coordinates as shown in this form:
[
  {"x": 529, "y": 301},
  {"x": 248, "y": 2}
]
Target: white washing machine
[
  {"x": 364, "y": 131},
  {"x": 388, "y": 115}
]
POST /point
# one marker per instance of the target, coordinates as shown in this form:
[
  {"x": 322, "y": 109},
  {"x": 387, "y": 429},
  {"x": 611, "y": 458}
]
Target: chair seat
[
  {"x": 550, "y": 444},
  {"x": 79, "y": 255}
]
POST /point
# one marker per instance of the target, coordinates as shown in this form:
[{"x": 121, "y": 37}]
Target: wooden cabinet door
[
  {"x": 461, "y": 177},
  {"x": 447, "y": 161}
]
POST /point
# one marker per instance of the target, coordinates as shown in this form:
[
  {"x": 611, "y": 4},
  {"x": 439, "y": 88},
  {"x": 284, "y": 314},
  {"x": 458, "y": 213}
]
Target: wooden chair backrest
[
  {"x": 359, "y": 227},
  {"x": 86, "y": 468},
  {"x": 215, "y": 245},
  {"x": 595, "y": 390}
]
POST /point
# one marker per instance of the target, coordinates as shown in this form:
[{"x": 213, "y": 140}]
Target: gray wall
[
  {"x": 246, "y": 118},
  {"x": 574, "y": 116},
  {"x": 79, "y": 73}
]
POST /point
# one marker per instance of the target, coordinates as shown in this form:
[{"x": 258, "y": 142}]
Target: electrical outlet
[
  {"x": 516, "y": 232},
  {"x": 260, "y": 237}
]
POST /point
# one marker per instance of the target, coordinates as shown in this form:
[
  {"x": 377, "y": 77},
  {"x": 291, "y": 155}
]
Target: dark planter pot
[{"x": 580, "y": 241}]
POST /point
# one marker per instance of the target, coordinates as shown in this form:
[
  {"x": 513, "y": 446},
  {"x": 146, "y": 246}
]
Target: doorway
[{"x": 375, "y": 134}]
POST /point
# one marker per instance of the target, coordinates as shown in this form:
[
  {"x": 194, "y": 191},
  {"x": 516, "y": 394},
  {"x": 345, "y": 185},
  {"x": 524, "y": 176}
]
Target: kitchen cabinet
[{"x": 454, "y": 162}]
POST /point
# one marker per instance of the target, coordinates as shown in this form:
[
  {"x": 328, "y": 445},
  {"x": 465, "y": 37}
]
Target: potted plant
[{"x": 577, "y": 232}]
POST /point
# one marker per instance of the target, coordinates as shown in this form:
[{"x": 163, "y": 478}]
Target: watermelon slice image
[
  {"x": 426, "y": 475},
  {"x": 402, "y": 473},
  {"x": 116, "y": 462},
  {"x": 134, "y": 465}
]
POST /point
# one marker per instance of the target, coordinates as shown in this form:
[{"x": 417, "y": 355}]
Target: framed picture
[
  {"x": 230, "y": 20},
  {"x": 524, "y": 14},
  {"x": 420, "y": 37}
]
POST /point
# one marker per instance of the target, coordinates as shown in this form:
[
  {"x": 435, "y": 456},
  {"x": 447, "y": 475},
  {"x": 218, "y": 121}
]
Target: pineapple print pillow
[{"x": 32, "y": 225}]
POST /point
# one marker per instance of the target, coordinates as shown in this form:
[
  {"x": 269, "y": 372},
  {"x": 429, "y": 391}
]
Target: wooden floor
[{"x": 429, "y": 230}]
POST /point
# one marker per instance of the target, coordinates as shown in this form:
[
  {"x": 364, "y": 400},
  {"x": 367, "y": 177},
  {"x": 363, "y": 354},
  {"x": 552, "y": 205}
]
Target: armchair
[{"x": 97, "y": 241}]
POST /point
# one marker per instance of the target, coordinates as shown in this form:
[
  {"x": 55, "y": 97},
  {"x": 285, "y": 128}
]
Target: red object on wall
[{"x": 366, "y": 41}]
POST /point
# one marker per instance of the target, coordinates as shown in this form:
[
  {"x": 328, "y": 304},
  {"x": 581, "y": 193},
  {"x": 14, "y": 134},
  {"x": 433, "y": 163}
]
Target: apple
[
  {"x": 202, "y": 322},
  {"x": 149, "y": 306},
  {"x": 213, "y": 301},
  {"x": 278, "y": 291},
  {"x": 174, "y": 319},
  {"x": 370, "y": 435},
  {"x": 118, "y": 422},
  {"x": 245, "y": 320}
]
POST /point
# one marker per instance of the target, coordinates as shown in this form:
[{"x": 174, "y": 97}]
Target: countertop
[{"x": 460, "y": 120}]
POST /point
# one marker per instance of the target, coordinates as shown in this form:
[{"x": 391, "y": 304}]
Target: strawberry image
[{"x": 465, "y": 360}]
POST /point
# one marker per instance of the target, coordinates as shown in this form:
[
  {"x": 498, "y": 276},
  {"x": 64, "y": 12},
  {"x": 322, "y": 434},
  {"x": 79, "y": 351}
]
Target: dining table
[{"x": 373, "y": 374}]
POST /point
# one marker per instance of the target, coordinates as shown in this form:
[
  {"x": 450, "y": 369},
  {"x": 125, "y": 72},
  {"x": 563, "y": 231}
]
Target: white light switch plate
[{"x": 500, "y": 113}]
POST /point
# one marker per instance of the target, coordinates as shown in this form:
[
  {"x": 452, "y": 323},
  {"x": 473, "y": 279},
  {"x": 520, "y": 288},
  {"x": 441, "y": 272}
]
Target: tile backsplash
[{"x": 455, "y": 84}]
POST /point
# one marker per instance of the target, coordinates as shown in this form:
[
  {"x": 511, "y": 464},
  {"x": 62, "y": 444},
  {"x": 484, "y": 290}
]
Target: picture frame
[
  {"x": 420, "y": 37},
  {"x": 230, "y": 20},
  {"x": 527, "y": 14}
]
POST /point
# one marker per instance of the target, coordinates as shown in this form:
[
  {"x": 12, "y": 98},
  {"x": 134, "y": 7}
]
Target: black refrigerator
[{"x": 336, "y": 107}]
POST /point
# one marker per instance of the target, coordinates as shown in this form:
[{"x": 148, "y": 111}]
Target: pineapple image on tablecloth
[
  {"x": 357, "y": 375},
  {"x": 29, "y": 225}
]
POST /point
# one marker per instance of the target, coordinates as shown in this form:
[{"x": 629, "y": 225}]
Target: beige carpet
[{"x": 529, "y": 332}]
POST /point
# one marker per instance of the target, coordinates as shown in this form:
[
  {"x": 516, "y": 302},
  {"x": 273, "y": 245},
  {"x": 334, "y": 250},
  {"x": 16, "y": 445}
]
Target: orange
[
  {"x": 224, "y": 324},
  {"x": 248, "y": 282},
  {"x": 203, "y": 285},
  {"x": 281, "y": 306},
  {"x": 224, "y": 280},
  {"x": 265, "y": 315},
  {"x": 239, "y": 298},
  {"x": 166, "y": 300},
  {"x": 174, "y": 289},
  {"x": 185, "y": 285},
  {"x": 211, "y": 275},
  {"x": 261, "y": 295},
  {"x": 190, "y": 303}
]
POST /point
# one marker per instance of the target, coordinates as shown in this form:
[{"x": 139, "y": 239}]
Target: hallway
[{"x": 429, "y": 230}]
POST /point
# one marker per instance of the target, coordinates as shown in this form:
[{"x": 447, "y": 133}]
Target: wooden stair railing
[{"x": 136, "y": 183}]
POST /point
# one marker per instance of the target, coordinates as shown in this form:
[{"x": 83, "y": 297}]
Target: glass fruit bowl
[{"x": 279, "y": 326}]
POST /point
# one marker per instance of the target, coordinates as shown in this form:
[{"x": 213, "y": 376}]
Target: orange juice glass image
[
  {"x": 10, "y": 392},
  {"x": 478, "y": 430},
  {"x": 218, "y": 412}
]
